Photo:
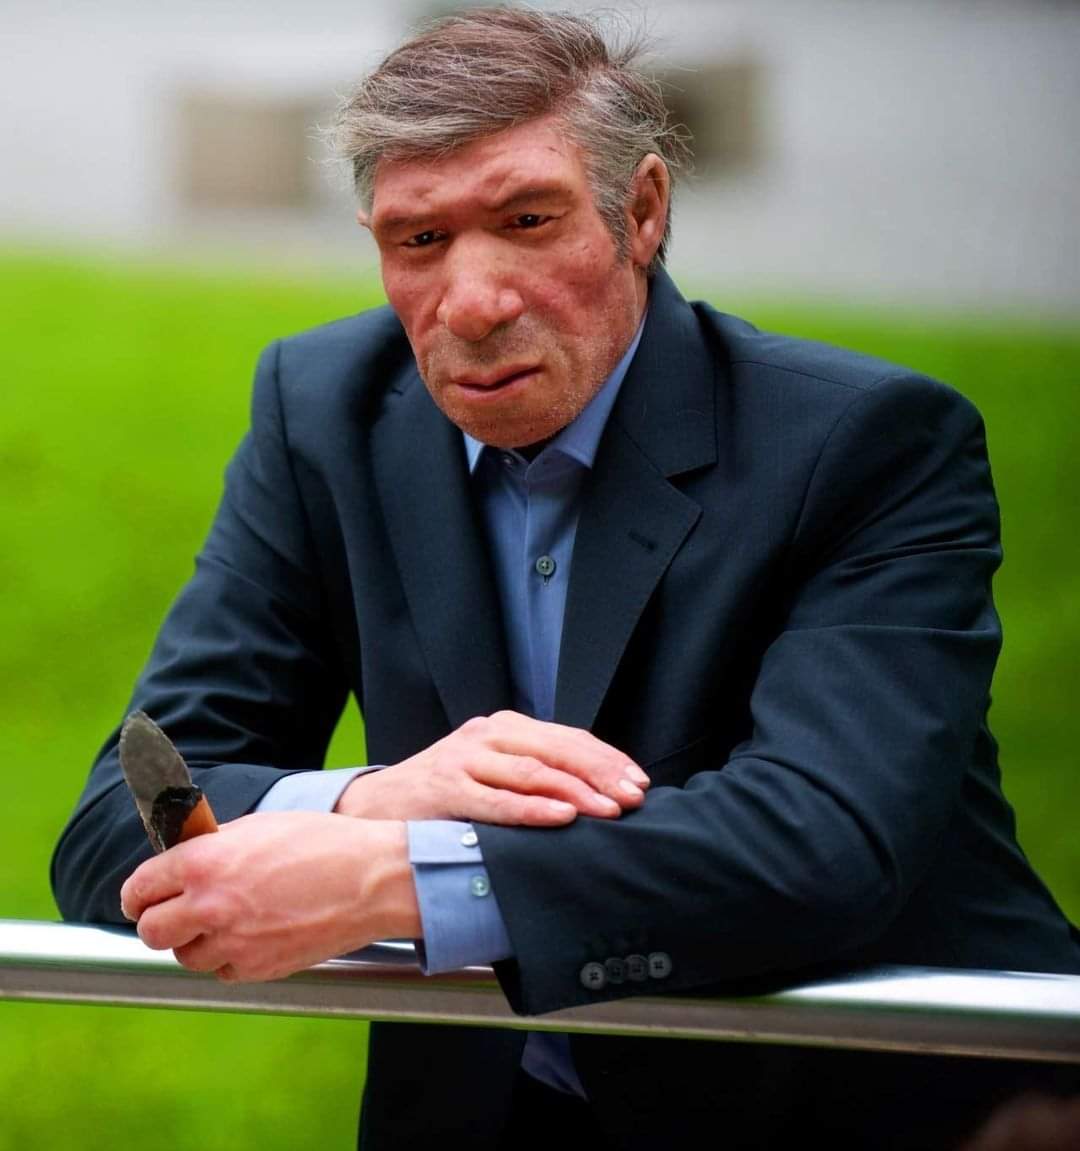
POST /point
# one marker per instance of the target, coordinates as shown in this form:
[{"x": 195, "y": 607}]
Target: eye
[
  {"x": 423, "y": 239},
  {"x": 529, "y": 220}
]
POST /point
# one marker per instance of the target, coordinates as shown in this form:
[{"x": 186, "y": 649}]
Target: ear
[
  {"x": 647, "y": 209},
  {"x": 363, "y": 218}
]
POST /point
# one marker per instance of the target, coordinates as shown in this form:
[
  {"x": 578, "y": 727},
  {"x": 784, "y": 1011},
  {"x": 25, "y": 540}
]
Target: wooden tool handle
[
  {"x": 178, "y": 813},
  {"x": 200, "y": 821}
]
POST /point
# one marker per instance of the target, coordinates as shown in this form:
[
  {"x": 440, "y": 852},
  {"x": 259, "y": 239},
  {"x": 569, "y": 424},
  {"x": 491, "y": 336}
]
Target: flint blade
[{"x": 158, "y": 779}]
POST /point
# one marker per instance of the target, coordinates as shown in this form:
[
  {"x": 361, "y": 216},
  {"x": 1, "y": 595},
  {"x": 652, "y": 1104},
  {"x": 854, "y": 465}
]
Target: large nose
[{"x": 479, "y": 294}]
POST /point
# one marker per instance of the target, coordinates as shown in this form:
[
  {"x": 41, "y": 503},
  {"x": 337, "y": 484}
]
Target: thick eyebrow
[
  {"x": 402, "y": 223},
  {"x": 544, "y": 193},
  {"x": 525, "y": 197}
]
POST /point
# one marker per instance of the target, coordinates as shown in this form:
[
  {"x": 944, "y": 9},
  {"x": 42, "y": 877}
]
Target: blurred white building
[{"x": 924, "y": 152}]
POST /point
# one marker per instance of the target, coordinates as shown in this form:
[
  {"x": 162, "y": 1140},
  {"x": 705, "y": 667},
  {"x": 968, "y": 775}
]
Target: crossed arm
[
  {"x": 278, "y": 891},
  {"x": 808, "y": 843}
]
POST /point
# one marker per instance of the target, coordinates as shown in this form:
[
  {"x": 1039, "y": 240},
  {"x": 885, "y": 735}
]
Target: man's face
[{"x": 506, "y": 280}]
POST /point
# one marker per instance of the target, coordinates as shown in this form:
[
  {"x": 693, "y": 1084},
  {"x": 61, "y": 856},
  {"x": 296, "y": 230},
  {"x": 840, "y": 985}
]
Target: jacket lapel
[
  {"x": 634, "y": 520},
  {"x": 423, "y": 483}
]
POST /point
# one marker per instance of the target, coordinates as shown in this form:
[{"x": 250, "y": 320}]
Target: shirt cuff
[
  {"x": 310, "y": 790},
  {"x": 461, "y": 922}
]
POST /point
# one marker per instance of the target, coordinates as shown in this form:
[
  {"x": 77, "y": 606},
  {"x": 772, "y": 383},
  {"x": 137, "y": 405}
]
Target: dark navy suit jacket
[{"x": 780, "y": 605}]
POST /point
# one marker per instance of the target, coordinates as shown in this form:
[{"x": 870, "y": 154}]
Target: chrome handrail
[{"x": 988, "y": 1014}]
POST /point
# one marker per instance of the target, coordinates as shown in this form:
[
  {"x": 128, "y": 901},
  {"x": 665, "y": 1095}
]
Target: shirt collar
[{"x": 580, "y": 439}]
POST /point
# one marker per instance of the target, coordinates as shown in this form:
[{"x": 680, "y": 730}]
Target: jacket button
[
  {"x": 593, "y": 976},
  {"x": 637, "y": 968},
  {"x": 615, "y": 968},
  {"x": 659, "y": 965}
]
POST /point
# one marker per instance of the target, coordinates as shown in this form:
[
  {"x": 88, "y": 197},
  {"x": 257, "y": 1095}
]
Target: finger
[
  {"x": 494, "y": 805},
  {"x": 168, "y": 925},
  {"x": 203, "y": 953},
  {"x": 571, "y": 749},
  {"x": 525, "y": 775},
  {"x": 151, "y": 882},
  {"x": 574, "y": 745}
]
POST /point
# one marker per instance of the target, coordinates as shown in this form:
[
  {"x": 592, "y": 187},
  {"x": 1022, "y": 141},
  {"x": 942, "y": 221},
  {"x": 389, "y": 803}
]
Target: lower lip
[{"x": 496, "y": 391}]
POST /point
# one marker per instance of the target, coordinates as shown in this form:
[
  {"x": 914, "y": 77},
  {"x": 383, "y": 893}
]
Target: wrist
[
  {"x": 360, "y": 797},
  {"x": 391, "y": 883}
]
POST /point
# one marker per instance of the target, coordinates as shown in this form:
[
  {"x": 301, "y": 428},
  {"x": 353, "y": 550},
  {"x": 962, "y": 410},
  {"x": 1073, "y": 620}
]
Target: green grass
[{"x": 126, "y": 388}]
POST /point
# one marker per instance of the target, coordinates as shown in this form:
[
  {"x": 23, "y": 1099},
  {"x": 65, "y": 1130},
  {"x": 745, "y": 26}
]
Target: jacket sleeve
[
  {"x": 243, "y": 677},
  {"x": 806, "y": 843}
]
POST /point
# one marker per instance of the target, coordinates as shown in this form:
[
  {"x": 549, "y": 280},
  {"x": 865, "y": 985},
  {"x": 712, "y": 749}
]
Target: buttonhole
[{"x": 648, "y": 544}]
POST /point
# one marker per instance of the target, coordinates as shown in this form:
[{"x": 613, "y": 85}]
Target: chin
[{"x": 507, "y": 433}]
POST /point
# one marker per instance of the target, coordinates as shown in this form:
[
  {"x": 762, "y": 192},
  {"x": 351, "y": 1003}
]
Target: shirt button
[
  {"x": 469, "y": 839},
  {"x": 545, "y": 566},
  {"x": 479, "y": 886},
  {"x": 659, "y": 964},
  {"x": 637, "y": 968},
  {"x": 593, "y": 976}
]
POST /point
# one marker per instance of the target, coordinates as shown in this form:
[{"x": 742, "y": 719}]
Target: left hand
[
  {"x": 275, "y": 892},
  {"x": 505, "y": 768}
]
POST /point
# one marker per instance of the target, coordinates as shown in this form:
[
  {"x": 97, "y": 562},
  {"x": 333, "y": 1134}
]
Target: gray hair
[{"x": 483, "y": 70}]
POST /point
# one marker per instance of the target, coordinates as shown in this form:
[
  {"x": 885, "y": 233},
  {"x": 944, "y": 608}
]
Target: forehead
[{"x": 482, "y": 173}]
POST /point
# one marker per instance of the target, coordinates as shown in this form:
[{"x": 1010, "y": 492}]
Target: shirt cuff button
[{"x": 479, "y": 886}]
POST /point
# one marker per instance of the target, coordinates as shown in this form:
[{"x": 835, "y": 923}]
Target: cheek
[
  {"x": 585, "y": 304},
  {"x": 413, "y": 301}
]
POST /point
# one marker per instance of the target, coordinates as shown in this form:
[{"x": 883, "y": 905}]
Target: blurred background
[{"x": 901, "y": 178}]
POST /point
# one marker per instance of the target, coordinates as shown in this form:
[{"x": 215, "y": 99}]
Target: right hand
[
  {"x": 275, "y": 892},
  {"x": 504, "y": 768}
]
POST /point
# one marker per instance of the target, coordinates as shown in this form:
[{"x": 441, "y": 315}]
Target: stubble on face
[
  {"x": 514, "y": 327},
  {"x": 574, "y": 367}
]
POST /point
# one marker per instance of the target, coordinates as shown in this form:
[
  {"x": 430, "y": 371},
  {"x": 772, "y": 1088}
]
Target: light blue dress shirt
[{"x": 530, "y": 511}]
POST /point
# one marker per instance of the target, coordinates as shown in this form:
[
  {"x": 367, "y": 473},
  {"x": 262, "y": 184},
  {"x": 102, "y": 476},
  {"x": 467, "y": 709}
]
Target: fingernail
[
  {"x": 563, "y": 809},
  {"x": 607, "y": 805},
  {"x": 630, "y": 788},
  {"x": 637, "y": 775}
]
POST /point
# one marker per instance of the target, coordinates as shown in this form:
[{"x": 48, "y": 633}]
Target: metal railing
[{"x": 990, "y": 1014}]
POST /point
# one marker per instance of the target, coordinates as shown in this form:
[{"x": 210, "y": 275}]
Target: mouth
[{"x": 480, "y": 386}]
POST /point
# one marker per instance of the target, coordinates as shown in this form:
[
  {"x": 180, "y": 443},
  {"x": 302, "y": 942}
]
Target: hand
[
  {"x": 504, "y": 768},
  {"x": 274, "y": 893}
]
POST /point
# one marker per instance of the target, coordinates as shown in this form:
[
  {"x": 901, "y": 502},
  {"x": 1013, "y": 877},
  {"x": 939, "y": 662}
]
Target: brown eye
[{"x": 422, "y": 239}]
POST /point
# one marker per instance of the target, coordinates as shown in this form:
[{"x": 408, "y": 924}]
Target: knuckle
[
  {"x": 194, "y": 869},
  {"x": 530, "y": 772},
  {"x": 505, "y": 806},
  {"x": 476, "y": 725},
  {"x": 150, "y": 933}
]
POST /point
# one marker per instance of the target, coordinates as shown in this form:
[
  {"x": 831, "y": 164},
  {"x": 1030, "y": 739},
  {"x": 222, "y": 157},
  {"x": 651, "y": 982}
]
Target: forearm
[{"x": 460, "y": 921}]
